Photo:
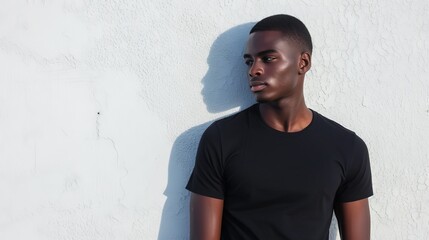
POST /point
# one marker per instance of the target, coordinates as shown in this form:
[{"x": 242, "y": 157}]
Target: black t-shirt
[{"x": 278, "y": 185}]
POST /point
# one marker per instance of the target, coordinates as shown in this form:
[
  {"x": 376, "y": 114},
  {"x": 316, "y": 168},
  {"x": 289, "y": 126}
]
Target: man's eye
[
  {"x": 268, "y": 59},
  {"x": 248, "y": 62}
]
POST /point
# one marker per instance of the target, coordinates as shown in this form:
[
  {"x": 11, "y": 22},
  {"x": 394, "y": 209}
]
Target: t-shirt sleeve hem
[
  {"x": 206, "y": 194},
  {"x": 352, "y": 199}
]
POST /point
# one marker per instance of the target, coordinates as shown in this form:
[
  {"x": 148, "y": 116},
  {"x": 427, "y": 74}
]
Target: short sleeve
[
  {"x": 207, "y": 177},
  {"x": 357, "y": 183}
]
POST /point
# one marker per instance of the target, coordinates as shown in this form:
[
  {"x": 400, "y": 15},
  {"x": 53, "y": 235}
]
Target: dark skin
[{"x": 277, "y": 67}]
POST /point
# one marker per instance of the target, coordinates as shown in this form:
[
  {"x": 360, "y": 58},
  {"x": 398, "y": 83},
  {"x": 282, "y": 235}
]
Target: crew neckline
[{"x": 266, "y": 126}]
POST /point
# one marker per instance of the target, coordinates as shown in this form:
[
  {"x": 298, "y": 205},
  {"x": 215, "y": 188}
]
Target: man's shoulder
[
  {"x": 333, "y": 127},
  {"x": 336, "y": 132},
  {"x": 342, "y": 138},
  {"x": 231, "y": 127},
  {"x": 236, "y": 120}
]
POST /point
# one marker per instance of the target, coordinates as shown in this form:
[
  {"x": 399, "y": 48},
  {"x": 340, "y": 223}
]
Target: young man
[{"x": 278, "y": 169}]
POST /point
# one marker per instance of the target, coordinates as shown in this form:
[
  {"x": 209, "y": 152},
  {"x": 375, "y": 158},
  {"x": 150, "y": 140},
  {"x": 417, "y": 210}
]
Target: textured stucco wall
[{"x": 102, "y": 103}]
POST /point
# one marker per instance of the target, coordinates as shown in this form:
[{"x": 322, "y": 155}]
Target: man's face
[{"x": 273, "y": 62}]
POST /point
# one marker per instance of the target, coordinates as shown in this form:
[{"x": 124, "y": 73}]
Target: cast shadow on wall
[{"x": 224, "y": 87}]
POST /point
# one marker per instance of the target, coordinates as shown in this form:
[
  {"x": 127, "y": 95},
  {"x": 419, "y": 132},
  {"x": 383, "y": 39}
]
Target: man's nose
[{"x": 256, "y": 70}]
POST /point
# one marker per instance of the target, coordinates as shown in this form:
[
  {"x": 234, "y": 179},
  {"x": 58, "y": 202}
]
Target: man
[{"x": 278, "y": 169}]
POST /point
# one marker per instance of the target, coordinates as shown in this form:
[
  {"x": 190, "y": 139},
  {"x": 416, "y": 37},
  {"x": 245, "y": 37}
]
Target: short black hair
[{"x": 290, "y": 26}]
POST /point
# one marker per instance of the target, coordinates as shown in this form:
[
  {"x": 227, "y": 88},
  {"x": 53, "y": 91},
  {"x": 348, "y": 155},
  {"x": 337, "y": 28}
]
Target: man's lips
[{"x": 256, "y": 85}]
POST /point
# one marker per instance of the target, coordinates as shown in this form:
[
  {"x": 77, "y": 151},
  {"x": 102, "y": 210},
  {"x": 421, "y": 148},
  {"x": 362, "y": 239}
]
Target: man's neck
[{"x": 286, "y": 115}]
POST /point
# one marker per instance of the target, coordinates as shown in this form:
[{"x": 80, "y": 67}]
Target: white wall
[{"x": 102, "y": 103}]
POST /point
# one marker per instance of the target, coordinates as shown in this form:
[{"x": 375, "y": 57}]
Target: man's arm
[
  {"x": 206, "y": 217},
  {"x": 354, "y": 220}
]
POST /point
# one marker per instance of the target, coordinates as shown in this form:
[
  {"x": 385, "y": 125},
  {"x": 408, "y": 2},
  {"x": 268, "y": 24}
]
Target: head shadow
[{"x": 225, "y": 85}]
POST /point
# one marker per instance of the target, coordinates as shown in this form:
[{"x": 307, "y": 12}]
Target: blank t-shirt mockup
[{"x": 279, "y": 185}]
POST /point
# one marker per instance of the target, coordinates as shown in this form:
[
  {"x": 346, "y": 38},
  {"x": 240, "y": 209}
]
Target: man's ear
[{"x": 304, "y": 63}]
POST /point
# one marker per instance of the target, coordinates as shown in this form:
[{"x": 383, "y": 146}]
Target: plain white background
[{"x": 102, "y": 103}]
